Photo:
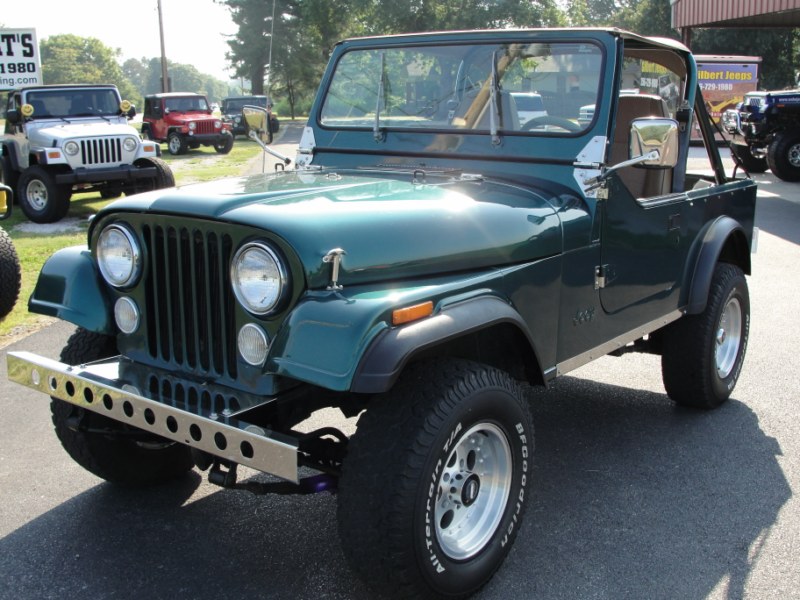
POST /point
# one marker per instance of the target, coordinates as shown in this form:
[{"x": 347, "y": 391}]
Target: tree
[{"x": 69, "y": 58}]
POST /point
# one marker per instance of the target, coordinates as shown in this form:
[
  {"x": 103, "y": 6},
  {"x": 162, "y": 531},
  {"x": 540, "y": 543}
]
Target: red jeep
[{"x": 184, "y": 121}]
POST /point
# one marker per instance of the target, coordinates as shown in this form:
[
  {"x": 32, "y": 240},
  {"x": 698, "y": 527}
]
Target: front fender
[{"x": 69, "y": 287}]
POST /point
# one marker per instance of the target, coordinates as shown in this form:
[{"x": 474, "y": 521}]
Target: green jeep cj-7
[{"x": 431, "y": 256}]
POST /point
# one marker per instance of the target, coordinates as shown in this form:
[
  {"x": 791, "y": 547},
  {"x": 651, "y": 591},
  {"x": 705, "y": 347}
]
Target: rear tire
[
  {"x": 40, "y": 198},
  {"x": 783, "y": 156},
  {"x": 103, "y": 446},
  {"x": 164, "y": 177},
  {"x": 436, "y": 479},
  {"x": 703, "y": 354}
]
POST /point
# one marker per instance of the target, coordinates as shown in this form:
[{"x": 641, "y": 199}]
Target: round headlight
[
  {"x": 130, "y": 143},
  {"x": 71, "y": 148},
  {"x": 192, "y": 125},
  {"x": 217, "y": 124},
  {"x": 126, "y": 315},
  {"x": 258, "y": 278},
  {"x": 253, "y": 344},
  {"x": 118, "y": 256}
]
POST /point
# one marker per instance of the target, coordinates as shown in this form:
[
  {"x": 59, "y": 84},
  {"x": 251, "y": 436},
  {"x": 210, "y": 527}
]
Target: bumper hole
[
  {"x": 88, "y": 395},
  {"x": 220, "y": 441},
  {"x": 108, "y": 402},
  {"x": 149, "y": 416},
  {"x": 247, "y": 449},
  {"x": 53, "y": 384},
  {"x": 172, "y": 424},
  {"x": 70, "y": 389},
  {"x": 195, "y": 432},
  {"x": 127, "y": 408}
]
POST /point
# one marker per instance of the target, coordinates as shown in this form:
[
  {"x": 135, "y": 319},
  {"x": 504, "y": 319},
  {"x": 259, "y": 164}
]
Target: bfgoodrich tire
[
  {"x": 436, "y": 481},
  {"x": 103, "y": 446},
  {"x": 224, "y": 145},
  {"x": 783, "y": 156},
  {"x": 703, "y": 354}
]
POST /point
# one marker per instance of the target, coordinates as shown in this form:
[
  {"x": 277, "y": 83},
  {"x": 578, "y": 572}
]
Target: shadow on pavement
[{"x": 633, "y": 498}]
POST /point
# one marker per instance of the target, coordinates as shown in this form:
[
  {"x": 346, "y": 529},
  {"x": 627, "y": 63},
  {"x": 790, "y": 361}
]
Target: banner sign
[{"x": 20, "y": 63}]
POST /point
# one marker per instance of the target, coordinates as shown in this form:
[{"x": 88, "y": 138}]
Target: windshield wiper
[{"x": 376, "y": 129}]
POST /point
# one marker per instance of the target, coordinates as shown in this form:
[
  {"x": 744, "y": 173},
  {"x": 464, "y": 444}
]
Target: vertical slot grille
[
  {"x": 99, "y": 151},
  {"x": 204, "y": 127},
  {"x": 190, "y": 320}
]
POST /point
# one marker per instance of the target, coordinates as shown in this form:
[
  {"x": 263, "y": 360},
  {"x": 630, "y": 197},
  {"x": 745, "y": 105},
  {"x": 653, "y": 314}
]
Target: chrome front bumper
[{"x": 96, "y": 387}]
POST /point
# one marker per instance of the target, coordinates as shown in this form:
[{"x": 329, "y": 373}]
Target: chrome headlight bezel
[
  {"x": 129, "y": 144},
  {"x": 275, "y": 292},
  {"x": 71, "y": 148},
  {"x": 130, "y": 274},
  {"x": 192, "y": 125}
]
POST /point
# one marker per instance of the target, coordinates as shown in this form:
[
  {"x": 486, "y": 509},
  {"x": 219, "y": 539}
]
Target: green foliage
[{"x": 69, "y": 58}]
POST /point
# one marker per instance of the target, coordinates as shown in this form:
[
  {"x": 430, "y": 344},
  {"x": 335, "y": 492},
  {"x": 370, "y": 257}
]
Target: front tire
[
  {"x": 10, "y": 274},
  {"x": 703, "y": 354},
  {"x": 783, "y": 156},
  {"x": 743, "y": 156},
  {"x": 176, "y": 144},
  {"x": 436, "y": 480},
  {"x": 40, "y": 198},
  {"x": 224, "y": 145},
  {"x": 103, "y": 446}
]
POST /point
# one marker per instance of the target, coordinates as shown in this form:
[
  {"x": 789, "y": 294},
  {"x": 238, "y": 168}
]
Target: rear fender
[
  {"x": 723, "y": 239},
  {"x": 69, "y": 287}
]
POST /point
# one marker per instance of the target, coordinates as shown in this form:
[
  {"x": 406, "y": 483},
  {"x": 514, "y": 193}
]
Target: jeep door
[{"x": 644, "y": 232}]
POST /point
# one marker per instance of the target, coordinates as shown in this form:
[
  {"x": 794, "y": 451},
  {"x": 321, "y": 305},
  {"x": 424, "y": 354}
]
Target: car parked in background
[
  {"x": 529, "y": 106},
  {"x": 184, "y": 121},
  {"x": 232, "y": 112}
]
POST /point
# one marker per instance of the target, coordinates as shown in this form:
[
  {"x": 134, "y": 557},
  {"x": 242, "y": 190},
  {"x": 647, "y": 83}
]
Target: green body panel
[{"x": 69, "y": 288}]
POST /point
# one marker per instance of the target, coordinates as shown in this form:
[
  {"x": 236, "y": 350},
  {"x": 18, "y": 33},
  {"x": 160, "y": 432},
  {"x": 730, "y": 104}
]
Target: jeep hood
[
  {"x": 389, "y": 228},
  {"x": 66, "y": 131}
]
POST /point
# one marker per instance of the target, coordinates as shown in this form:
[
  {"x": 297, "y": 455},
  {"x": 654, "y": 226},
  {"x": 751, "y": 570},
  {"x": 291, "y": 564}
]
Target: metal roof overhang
[{"x": 735, "y": 13}]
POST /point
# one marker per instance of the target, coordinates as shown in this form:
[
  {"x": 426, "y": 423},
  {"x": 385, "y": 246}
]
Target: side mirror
[
  {"x": 13, "y": 116},
  {"x": 658, "y": 134},
  {"x": 256, "y": 123},
  {"x": 6, "y": 195}
]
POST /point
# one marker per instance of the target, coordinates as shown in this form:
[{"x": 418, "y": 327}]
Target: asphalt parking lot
[{"x": 633, "y": 499}]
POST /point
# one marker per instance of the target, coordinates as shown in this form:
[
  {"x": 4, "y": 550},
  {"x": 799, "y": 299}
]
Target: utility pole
[
  {"x": 269, "y": 66},
  {"x": 164, "y": 74}
]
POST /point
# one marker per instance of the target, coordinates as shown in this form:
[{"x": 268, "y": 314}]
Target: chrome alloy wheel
[
  {"x": 36, "y": 194},
  {"x": 794, "y": 155},
  {"x": 473, "y": 491},
  {"x": 728, "y": 338}
]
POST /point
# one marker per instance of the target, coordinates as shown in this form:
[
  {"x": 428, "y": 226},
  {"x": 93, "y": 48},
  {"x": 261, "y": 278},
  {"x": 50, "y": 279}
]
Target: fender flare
[
  {"x": 68, "y": 288},
  {"x": 392, "y": 349},
  {"x": 712, "y": 243}
]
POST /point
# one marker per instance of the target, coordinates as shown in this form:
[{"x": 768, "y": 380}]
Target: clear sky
[{"x": 194, "y": 30}]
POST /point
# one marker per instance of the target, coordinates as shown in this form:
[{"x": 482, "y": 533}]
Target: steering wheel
[{"x": 550, "y": 120}]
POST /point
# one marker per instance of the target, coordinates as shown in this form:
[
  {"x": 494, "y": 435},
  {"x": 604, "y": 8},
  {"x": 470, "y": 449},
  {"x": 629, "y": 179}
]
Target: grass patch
[{"x": 34, "y": 244}]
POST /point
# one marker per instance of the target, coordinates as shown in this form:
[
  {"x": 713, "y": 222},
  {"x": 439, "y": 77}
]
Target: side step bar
[{"x": 90, "y": 387}]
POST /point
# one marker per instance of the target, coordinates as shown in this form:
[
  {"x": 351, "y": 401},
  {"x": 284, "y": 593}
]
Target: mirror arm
[
  {"x": 596, "y": 182},
  {"x": 254, "y": 136}
]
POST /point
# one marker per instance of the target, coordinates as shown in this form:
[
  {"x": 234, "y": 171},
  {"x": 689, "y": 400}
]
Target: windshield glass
[
  {"x": 235, "y": 105},
  {"x": 189, "y": 103},
  {"x": 450, "y": 87},
  {"x": 73, "y": 102}
]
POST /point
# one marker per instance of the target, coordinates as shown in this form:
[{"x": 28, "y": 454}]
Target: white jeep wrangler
[{"x": 61, "y": 139}]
